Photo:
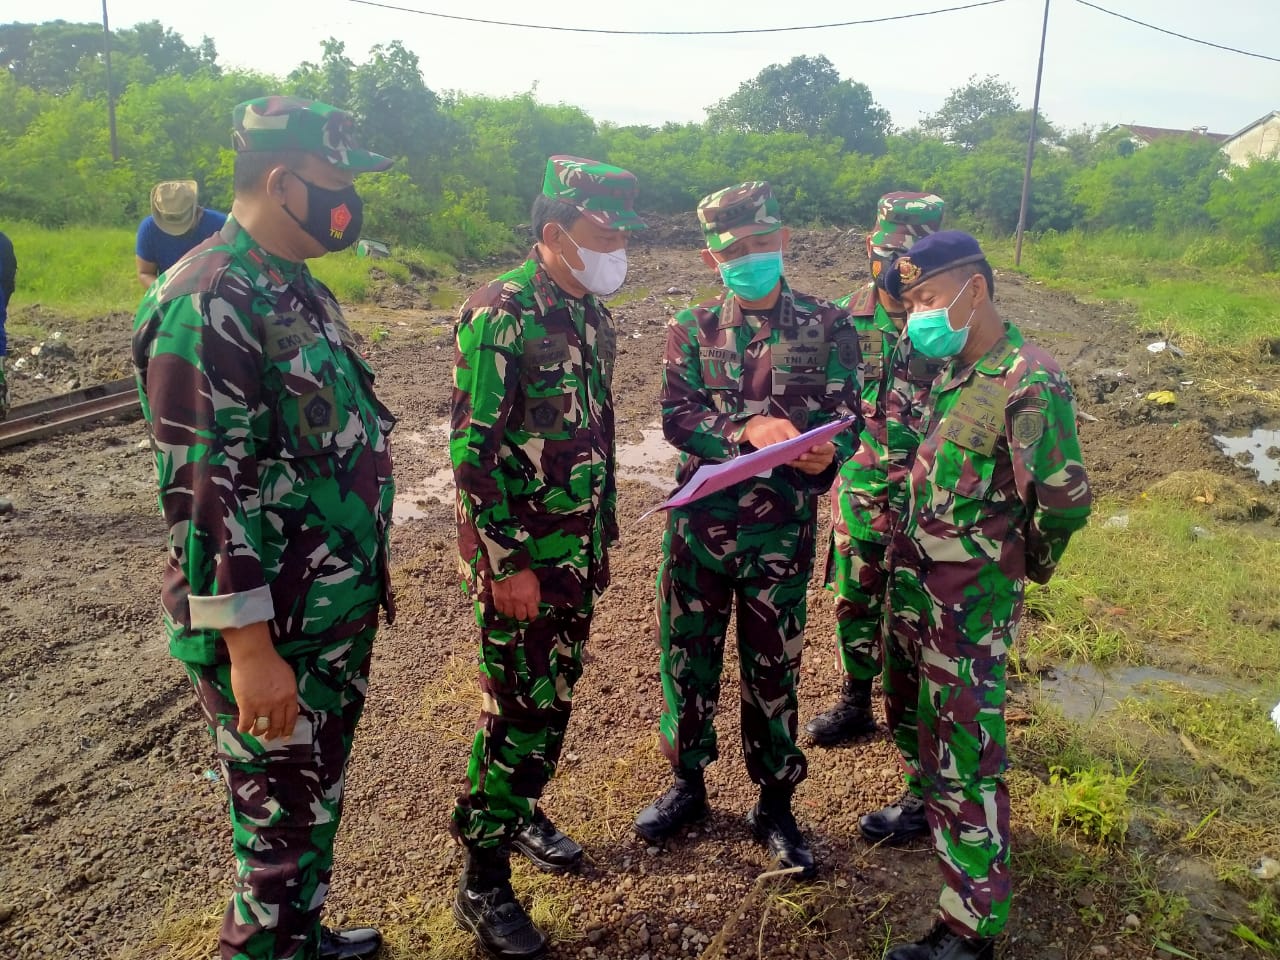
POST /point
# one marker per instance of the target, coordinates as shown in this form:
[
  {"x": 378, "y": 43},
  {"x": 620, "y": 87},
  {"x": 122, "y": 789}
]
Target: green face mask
[{"x": 754, "y": 276}]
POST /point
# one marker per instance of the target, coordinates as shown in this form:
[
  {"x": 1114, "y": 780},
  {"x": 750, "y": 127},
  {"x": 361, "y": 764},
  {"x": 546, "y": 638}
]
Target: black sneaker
[
  {"x": 684, "y": 802},
  {"x": 899, "y": 822},
  {"x": 941, "y": 943},
  {"x": 849, "y": 717},
  {"x": 546, "y": 846},
  {"x": 486, "y": 906}
]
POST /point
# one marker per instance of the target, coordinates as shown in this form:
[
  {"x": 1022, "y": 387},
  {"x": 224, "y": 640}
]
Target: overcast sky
[{"x": 1098, "y": 70}]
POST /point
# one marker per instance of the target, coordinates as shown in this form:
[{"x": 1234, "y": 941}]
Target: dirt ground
[{"x": 113, "y": 823}]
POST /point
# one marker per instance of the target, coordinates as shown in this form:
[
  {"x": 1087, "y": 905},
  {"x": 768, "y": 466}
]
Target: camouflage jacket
[
  {"x": 271, "y": 451},
  {"x": 871, "y": 489},
  {"x": 532, "y": 438},
  {"x": 724, "y": 366},
  {"x": 998, "y": 478}
]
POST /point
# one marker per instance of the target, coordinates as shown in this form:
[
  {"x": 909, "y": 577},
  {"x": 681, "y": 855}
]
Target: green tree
[
  {"x": 805, "y": 95},
  {"x": 970, "y": 114}
]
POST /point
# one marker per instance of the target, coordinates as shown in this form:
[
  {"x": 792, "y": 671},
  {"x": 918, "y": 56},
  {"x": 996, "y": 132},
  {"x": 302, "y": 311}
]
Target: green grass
[
  {"x": 77, "y": 271},
  {"x": 89, "y": 272},
  {"x": 1199, "y": 288},
  {"x": 1154, "y": 591}
]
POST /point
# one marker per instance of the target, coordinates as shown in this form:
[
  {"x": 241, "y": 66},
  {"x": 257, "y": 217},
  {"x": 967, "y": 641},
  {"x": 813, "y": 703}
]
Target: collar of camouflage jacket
[
  {"x": 547, "y": 292},
  {"x": 994, "y": 363},
  {"x": 242, "y": 244},
  {"x": 761, "y": 324}
]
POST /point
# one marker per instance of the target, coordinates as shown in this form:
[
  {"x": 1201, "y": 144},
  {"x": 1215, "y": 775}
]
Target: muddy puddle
[
  {"x": 1258, "y": 451},
  {"x": 651, "y": 461},
  {"x": 1083, "y": 691}
]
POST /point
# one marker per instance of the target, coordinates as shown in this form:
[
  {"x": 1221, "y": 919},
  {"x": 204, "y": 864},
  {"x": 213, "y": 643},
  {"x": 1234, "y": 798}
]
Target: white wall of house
[{"x": 1262, "y": 140}]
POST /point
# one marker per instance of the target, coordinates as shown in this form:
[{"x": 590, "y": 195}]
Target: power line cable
[
  {"x": 672, "y": 33},
  {"x": 1174, "y": 33}
]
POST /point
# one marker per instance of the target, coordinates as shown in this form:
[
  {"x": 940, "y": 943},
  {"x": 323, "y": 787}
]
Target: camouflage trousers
[
  {"x": 708, "y": 562},
  {"x": 944, "y": 685},
  {"x": 286, "y": 798},
  {"x": 857, "y": 573},
  {"x": 527, "y": 675}
]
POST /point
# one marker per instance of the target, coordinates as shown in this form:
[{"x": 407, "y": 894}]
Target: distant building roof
[
  {"x": 1247, "y": 127},
  {"x": 1148, "y": 134}
]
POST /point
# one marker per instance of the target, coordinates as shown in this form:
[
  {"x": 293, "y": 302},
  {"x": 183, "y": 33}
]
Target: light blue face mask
[
  {"x": 754, "y": 276},
  {"x": 931, "y": 333}
]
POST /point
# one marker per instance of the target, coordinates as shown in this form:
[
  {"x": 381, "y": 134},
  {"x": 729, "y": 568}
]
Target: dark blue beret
[{"x": 929, "y": 256}]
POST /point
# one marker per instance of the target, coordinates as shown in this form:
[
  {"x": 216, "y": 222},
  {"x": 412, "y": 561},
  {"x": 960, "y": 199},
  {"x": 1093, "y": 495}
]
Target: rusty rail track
[{"x": 67, "y": 411}]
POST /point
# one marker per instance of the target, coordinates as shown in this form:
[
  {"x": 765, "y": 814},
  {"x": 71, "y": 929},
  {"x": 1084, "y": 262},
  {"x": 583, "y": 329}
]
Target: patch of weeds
[
  {"x": 627, "y": 296},
  {"x": 1151, "y": 591},
  {"x": 181, "y": 936},
  {"x": 1093, "y": 800},
  {"x": 596, "y": 800}
]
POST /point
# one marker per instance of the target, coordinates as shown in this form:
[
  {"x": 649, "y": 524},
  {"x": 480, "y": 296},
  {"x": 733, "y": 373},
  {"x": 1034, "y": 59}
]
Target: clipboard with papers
[{"x": 713, "y": 477}]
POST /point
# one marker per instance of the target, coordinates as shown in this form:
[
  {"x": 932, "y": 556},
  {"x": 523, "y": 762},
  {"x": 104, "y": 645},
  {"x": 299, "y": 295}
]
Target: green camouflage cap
[
  {"x": 604, "y": 194},
  {"x": 268, "y": 124},
  {"x": 902, "y": 219},
  {"x": 730, "y": 214}
]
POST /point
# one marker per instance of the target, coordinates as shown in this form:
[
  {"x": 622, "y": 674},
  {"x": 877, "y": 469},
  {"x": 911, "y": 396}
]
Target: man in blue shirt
[{"x": 177, "y": 223}]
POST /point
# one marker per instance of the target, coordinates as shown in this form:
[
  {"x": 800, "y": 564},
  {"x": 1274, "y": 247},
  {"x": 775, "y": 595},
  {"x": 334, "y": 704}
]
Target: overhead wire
[
  {"x": 1181, "y": 36},
  {"x": 673, "y": 33}
]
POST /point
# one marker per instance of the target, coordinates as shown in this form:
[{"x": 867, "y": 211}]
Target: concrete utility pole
[
  {"x": 1031, "y": 143},
  {"x": 111, "y": 96}
]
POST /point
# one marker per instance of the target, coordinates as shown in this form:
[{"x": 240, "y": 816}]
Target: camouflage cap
[
  {"x": 730, "y": 214},
  {"x": 290, "y": 123},
  {"x": 902, "y": 219},
  {"x": 173, "y": 206},
  {"x": 930, "y": 256},
  {"x": 604, "y": 194}
]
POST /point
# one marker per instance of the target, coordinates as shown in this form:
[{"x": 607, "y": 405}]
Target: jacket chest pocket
[
  {"x": 799, "y": 360},
  {"x": 547, "y": 385},
  {"x": 722, "y": 370},
  {"x": 965, "y": 473},
  {"x": 316, "y": 411}
]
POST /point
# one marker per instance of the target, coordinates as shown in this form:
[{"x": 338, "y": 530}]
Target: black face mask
[{"x": 334, "y": 217}]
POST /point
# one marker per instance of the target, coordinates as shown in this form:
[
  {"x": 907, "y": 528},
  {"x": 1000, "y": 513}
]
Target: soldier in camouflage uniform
[
  {"x": 533, "y": 458},
  {"x": 757, "y": 365},
  {"x": 996, "y": 490},
  {"x": 870, "y": 491},
  {"x": 275, "y": 481}
]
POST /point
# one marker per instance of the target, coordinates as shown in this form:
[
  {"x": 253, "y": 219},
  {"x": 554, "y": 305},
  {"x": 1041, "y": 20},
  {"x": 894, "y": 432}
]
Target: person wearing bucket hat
[
  {"x": 274, "y": 469},
  {"x": 532, "y": 446},
  {"x": 871, "y": 488},
  {"x": 175, "y": 225},
  {"x": 759, "y": 364},
  {"x": 996, "y": 490}
]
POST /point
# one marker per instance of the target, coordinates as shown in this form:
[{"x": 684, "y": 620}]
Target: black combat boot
[
  {"x": 899, "y": 822},
  {"x": 356, "y": 943},
  {"x": 943, "y": 944},
  {"x": 486, "y": 906},
  {"x": 546, "y": 846},
  {"x": 775, "y": 826},
  {"x": 684, "y": 802},
  {"x": 849, "y": 717}
]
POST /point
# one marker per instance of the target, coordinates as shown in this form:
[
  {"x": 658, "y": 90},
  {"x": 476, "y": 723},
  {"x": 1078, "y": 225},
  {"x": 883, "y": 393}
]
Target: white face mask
[{"x": 601, "y": 273}]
